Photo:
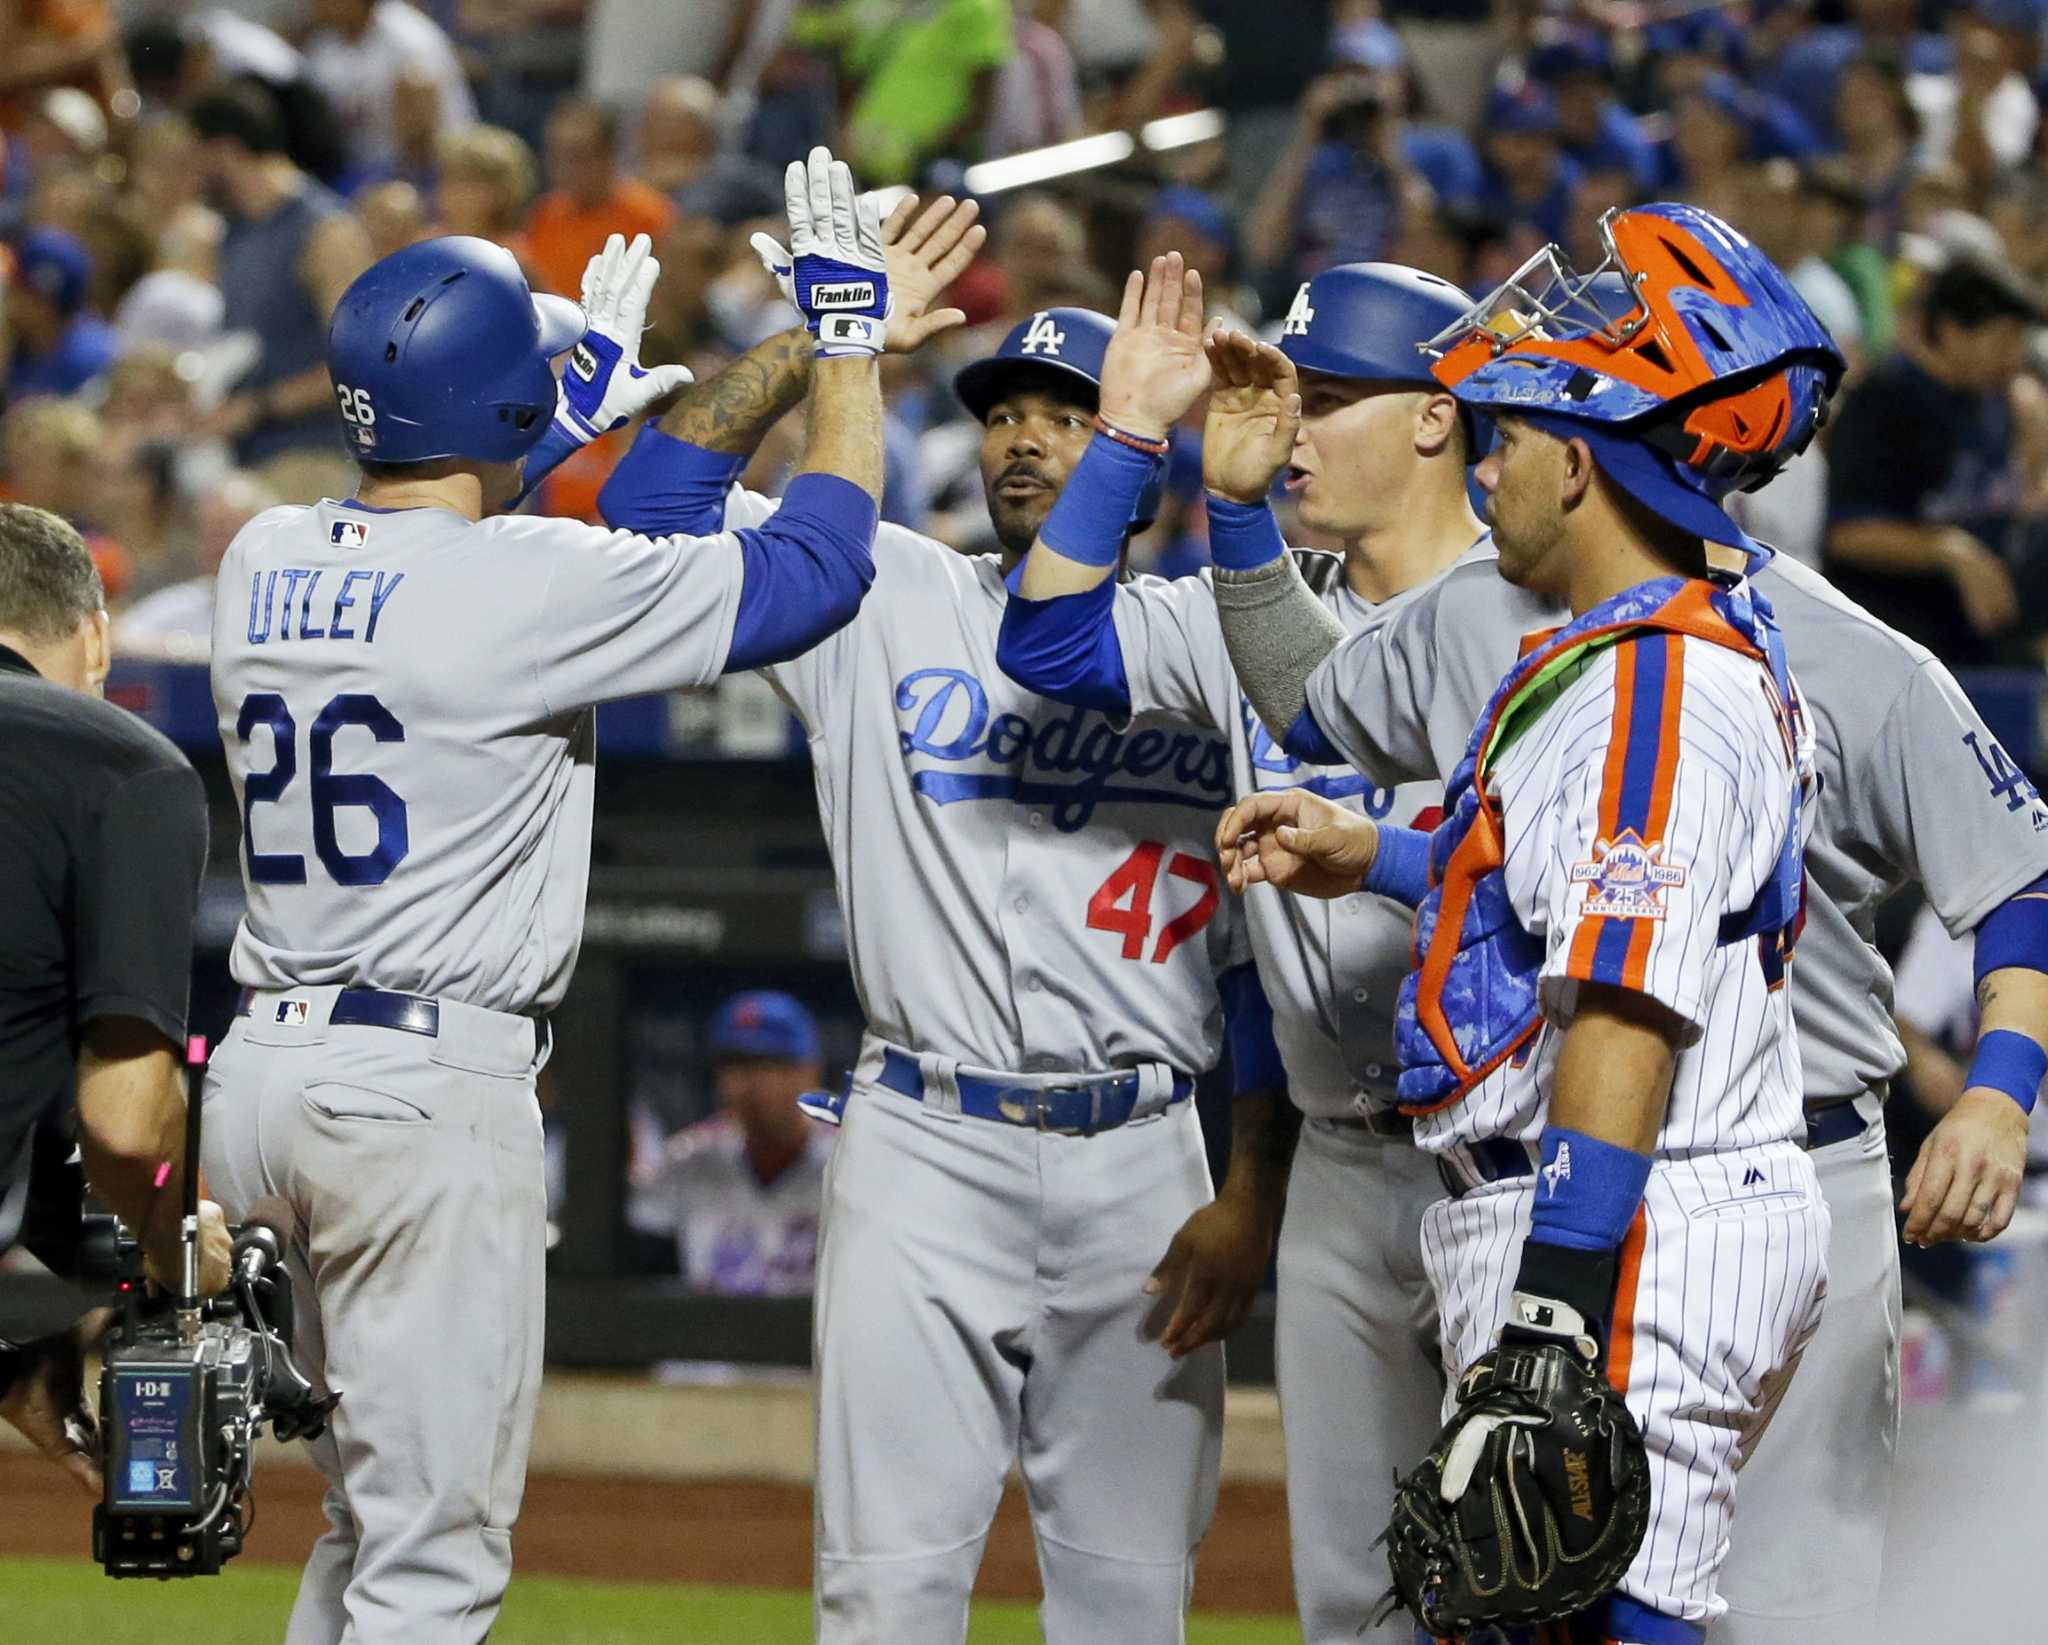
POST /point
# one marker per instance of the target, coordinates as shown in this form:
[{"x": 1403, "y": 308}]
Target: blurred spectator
[
  {"x": 59, "y": 345},
  {"x": 1253, "y": 57},
  {"x": 1922, "y": 482},
  {"x": 679, "y": 320},
  {"x": 177, "y": 621},
  {"x": 359, "y": 52},
  {"x": 51, "y": 449},
  {"x": 486, "y": 184},
  {"x": 679, "y": 152},
  {"x": 526, "y": 55},
  {"x": 290, "y": 251},
  {"x": 1529, "y": 179},
  {"x": 393, "y": 216},
  {"x": 149, "y": 396},
  {"x": 1776, "y": 214},
  {"x": 1808, "y": 73},
  {"x": 920, "y": 81},
  {"x": 1036, "y": 245},
  {"x": 165, "y": 183},
  {"x": 1037, "y": 97},
  {"x": 741, "y": 1192},
  {"x": 1879, "y": 131},
  {"x": 589, "y": 199},
  {"x": 1981, "y": 112},
  {"x": 1354, "y": 167},
  {"x": 1594, "y": 130},
  {"x": 1186, "y": 220},
  {"x": 65, "y": 127},
  {"x": 58, "y": 43},
  {"x": 1840, "y": 207}
]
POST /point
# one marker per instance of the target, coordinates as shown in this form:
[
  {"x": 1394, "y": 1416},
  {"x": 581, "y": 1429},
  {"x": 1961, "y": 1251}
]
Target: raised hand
[
  {"x": 603, "y": 385},
  {"x": 1253, "y": 414},
  {"x": 834, "y": 270},
  {"x": 1155, "y": 368},
  {"x": 925, "y": 253},
  {"x": 1297, "y": 841}
]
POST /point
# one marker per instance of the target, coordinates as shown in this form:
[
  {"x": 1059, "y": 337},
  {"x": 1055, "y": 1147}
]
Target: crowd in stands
[{"x": 187, "y": 188}]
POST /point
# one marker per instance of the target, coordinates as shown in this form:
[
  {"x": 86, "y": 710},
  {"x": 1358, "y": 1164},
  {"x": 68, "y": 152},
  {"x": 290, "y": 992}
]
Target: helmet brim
[{"x": 562, "y": 323}]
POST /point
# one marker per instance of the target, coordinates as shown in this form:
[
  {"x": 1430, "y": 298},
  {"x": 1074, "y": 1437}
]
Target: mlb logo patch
[
  {"x": 292, "y": 1013},
  {"x": 349, "y": 534}
]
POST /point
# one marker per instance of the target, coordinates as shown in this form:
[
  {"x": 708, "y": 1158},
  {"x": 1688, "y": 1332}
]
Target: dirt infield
[{"x": 734, "y": 1531}]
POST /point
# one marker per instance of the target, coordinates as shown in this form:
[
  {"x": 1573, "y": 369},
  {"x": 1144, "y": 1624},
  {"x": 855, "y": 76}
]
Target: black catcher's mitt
[{"x": 1533, "y": 1499}]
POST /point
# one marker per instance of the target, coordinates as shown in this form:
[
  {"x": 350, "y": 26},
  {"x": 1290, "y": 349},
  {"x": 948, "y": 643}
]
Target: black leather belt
[
  {"x": 364, "y": 1008},
  {"x": 1838, "y": 1122}
]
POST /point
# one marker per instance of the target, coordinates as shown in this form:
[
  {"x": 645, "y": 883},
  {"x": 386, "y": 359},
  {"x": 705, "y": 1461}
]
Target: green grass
[{"x": 56, "y": 1600}]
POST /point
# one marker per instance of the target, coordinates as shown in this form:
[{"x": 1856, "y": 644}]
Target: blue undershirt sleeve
[
  {"x": 806, "y": 570},
  {"x": 664, "y": 487},
  {"x": 1066, "y": 648}
]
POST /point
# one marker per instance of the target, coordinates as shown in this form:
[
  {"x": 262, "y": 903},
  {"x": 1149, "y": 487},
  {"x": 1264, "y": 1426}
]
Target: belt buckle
[{"x": 1042, "y": 1108}]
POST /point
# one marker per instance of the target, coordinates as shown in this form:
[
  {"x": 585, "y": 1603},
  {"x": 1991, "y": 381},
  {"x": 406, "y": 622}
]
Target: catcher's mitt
[{"x": 1532, "y": 1501}]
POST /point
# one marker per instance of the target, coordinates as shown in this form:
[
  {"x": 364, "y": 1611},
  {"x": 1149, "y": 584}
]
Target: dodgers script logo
[
  {"x": 1627, "y": 877},
  {"x": 1043, "y": 337},
  {"x": 1071, "y": 762}
]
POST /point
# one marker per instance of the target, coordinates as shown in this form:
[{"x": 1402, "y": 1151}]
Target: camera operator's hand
[
  {"x": 45, "y": 1402},
  {"x": 161, "y": 1258}
]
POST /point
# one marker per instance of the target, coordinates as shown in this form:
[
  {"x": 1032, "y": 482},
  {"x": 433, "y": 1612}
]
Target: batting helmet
[
  {"x": 1062, "y": 343},
  {"x": 441, "y": 350},
  {"x": 1369, "y": 321}
]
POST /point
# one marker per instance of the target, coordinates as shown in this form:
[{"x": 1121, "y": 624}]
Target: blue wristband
[
  {"x": 2009, "y": 1062},
  {"x": 1587, "y": 1191},
  {"x": 1095, "y": 508},
  {"x": 1243, "y": 536},
  {"x": 1400, "y": 867}
]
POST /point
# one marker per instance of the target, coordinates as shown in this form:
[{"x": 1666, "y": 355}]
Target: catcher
[{"x": 1598, "y": 1045}]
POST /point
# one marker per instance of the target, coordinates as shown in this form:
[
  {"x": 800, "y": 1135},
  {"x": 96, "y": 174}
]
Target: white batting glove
[
  {"x": 603, "y": 385},
  {"x": 833, "y": 270}
]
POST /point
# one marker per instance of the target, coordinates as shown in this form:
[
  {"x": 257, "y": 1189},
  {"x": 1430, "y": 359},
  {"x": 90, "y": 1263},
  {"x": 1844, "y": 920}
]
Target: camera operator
[{"x": 103, "y": 829}]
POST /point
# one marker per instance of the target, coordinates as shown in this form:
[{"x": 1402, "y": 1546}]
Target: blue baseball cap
[
  {"x": 1181, "y": 202},
  {"x": 57, "y": 266},
  {"x": 764, "y": 1023},
  {"x": 1573, "y": 53},
  {"x": 1530, "y": 109},
  {"x": 1650, "y": 477}
]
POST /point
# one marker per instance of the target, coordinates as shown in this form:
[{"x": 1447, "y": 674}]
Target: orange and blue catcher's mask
[{"x": 1685, "y": 338}]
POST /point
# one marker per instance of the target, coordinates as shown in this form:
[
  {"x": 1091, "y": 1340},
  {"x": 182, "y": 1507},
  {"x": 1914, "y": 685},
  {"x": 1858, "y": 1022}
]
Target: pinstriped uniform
[{"x": 1643, "y": 807}]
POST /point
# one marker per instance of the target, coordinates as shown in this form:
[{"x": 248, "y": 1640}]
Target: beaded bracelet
[{"x": 1137, "y": 442}]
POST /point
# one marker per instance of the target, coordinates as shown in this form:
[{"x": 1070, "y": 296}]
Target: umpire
[{"x": 103, "y": 834}]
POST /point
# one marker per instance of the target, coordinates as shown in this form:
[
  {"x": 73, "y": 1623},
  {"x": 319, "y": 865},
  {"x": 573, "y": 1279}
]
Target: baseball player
[
  {"x": 1032, "y": 902},
  {"x": 1380, "y": 461},
  {"x": 739, "y": 1192},
  {"x": 405, "y": 681},
  {"x": 1597, "y": 1043},
  {"x": 1912, "y": 787}
]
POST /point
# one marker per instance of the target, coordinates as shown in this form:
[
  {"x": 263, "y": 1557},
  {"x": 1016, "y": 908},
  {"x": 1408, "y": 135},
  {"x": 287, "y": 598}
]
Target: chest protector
[{"x": 1471, "y": 1003}]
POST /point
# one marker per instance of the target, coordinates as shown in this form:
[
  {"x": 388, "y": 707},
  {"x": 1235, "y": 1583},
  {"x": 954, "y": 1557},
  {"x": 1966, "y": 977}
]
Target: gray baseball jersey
[
  {"x": 735, "y": 1234},
  {"x": 1913, "y": 787},
  {"x": 1026, "y": 886},
  {"x": 1332, "y": 970},
  {"x": 405, "y": 698}
]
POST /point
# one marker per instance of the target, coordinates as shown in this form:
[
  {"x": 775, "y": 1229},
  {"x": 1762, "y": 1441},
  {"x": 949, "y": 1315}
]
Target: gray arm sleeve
[{"x": 1277, "y": 631}]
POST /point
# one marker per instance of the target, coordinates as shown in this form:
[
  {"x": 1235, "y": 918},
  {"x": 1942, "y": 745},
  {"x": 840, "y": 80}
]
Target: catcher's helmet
[
  {"x": 1062, "y": 343},
  {"x": 441, "y": 350}
]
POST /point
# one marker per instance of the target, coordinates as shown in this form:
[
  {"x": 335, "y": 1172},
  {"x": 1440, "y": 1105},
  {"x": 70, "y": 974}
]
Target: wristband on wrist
[
  {"x": 1587, "y": 1191},
  {"x": 1137, "y": 442},
  {"x": 1093, "y": 514},
  {"x": 2009, "y": 1062},
  {"x": 1243, "y": 536},
  {"x": 1400, "y": 865}
]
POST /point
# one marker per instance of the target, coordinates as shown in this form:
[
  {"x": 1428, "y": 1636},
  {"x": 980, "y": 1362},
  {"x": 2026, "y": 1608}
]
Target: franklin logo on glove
[
  {"x": 833, "y": 270},
  {"x": 860, "y": 295}
]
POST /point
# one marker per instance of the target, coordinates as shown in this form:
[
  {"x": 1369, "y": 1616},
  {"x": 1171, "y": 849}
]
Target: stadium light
[
  {"x": 1177, "y": 131},
  {"x": 1042, "y": 165}
]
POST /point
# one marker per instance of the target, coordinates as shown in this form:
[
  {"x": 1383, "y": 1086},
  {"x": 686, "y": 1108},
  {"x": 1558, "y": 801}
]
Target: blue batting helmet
[
  {"x": 1057, "y": 342},
  {"x": 1369, "y": 321},
  {"x": 441, "y": 350}
]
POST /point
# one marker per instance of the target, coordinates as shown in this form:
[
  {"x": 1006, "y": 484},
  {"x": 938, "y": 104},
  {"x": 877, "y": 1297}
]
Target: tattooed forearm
[{"x": 732, "y": 410}]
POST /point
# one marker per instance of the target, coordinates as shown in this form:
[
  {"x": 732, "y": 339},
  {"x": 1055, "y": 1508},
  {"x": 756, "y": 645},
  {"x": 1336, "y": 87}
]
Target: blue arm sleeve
[
  {"x": 2015, "y": 933},
  {"x": 1401, "y": 868},
  {"x": 664, "y": 486},
  {"x": 545, "y": 458},
  {"x": 1308, "y": 742},
  {"x": 1248, "y": 1025},
  {"x": 1065, "y": 648},
  {"x": 806, "y": 571}
]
